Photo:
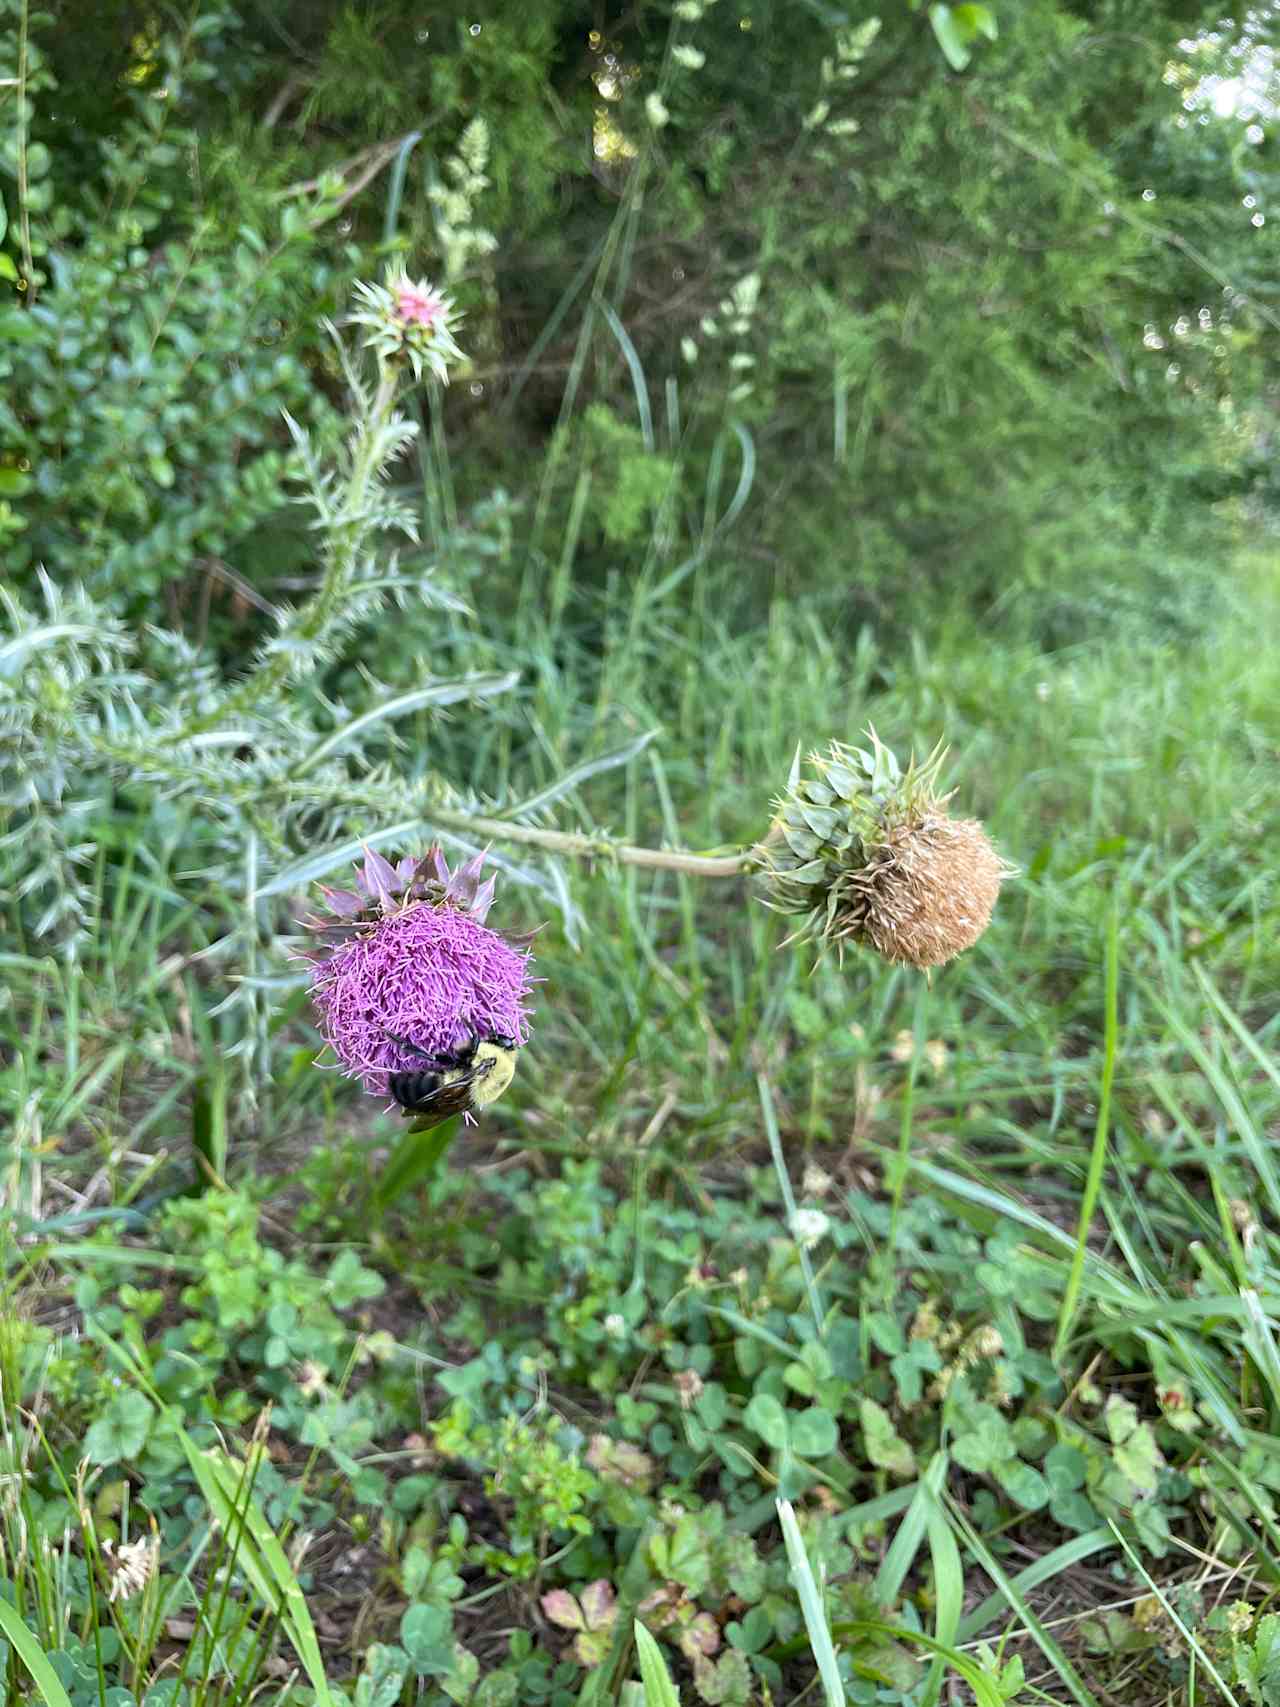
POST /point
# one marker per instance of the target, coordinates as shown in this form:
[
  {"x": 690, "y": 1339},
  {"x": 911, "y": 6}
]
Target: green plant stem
[
  {"x": 24, "y": 190},
  {"x": 902, "y": 1161},
  {"x": 789, "y": 1202},
  {"x": 593, "y": 847},
  {"x": 315, "y": 616}
]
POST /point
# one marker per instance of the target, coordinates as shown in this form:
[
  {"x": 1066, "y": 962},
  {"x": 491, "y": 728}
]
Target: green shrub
[{"x": 146, "y": 362}]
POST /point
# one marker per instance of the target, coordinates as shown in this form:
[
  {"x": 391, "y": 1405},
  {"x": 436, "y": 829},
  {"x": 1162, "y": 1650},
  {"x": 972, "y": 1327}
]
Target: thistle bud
[
  {"x": 409, "y": 317},
  {"x": 867, "y": 853}
]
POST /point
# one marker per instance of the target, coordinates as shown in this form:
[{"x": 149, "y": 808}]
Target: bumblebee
[{"x": 458, "y": 1081}]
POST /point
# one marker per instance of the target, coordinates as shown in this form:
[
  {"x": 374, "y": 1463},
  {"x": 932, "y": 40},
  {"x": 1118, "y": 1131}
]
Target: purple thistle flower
[{"x": 408, "y": 953}]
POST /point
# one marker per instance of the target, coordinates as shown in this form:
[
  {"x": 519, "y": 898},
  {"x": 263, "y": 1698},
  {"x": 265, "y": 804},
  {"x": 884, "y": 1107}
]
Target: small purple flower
[{"x": 408, "y": 955}]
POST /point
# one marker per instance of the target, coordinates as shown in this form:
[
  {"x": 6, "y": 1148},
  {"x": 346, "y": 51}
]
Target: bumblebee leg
[{"x": 436, "y": 1059}]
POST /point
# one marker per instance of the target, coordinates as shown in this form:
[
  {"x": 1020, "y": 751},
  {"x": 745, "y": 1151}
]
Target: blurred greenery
[
  {"x": 938, "y": 356},
  {"x": 824, "y": 366}
]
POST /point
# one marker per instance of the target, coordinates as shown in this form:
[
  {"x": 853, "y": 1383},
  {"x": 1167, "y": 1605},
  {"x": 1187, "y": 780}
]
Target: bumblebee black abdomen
[{"x": 413, "y": 1091}]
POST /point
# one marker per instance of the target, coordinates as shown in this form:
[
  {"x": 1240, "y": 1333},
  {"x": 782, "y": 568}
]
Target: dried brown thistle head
[{"x": 866, "y": 853}]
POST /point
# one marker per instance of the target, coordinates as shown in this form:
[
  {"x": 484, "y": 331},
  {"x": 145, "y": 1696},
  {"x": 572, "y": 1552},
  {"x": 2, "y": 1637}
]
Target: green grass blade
[
  {"x": 746, "y": 478},
  {"x": 1047, "y": 1645},
  {"x": 253, "y": 1546},
  {"x": 907, "y": 1539},
  {"x": 1237, "y": 1025},
  {"x": 256, "y": 1551},
  {"x": 1171, "y": 1613},
  {"x": 555, "y": 319},
  {"x": 1237, "y": 1110},
  {"x": 395, "y": 188},
  {"x": 640, "y": 384},
  {"x": 1260, "y": 1342},
  {"x": 815, "y": 1617},
  {"x": 948, "y": 1592},
  {"x": 980, "y": 1681},
  {"x": 788, "y": 1198},
  {"x": 659, "y": 1691},
  {"x": 32, "y": 1656},
  {"x": 1258, "y": 1505},
  {"x": 1001, "y": 1204},
  {"x": 1059, "y": 1559},
  {"x": 1098, "y": 1155}
]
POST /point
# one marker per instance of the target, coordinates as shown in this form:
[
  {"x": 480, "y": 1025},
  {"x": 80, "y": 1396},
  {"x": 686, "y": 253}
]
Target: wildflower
[
  {"x": 418, "y": 304},
  {"x": 1239, "y": 1618},
  {"x": 409, "y": 317},
  {"x": 868, "y": 854},
  {"x": 809, "y": 1227},
  {"x": 985, "y": 1341},
  {"x": 406, "y": 958},
  {"x": 817, "y": 1181},
  {"x": 313, "y": 1380},
  {"x": 130, "y": 1566},
  {"x": 688, "y": 1385}
]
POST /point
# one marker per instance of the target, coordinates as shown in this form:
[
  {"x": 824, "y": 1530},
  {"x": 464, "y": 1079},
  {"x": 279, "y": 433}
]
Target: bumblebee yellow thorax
[{"x": 489, "y": 1086}]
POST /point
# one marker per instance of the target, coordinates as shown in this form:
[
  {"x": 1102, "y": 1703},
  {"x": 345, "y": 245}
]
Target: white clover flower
[
  {"x": 615, "y": 1325},
  {"x": 937, "y": 1055},
  {"x": 809, "y": 1227},
  {"x": 817, "y": 1181},
  {"x": 688, "y": 1384},
  {"x": 313, "y": 1380},
  {"x": 130, "y": 1566}
]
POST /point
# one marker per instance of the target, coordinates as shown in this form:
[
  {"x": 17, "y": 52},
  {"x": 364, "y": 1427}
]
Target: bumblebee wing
[{"x": 453, "y": 1097}]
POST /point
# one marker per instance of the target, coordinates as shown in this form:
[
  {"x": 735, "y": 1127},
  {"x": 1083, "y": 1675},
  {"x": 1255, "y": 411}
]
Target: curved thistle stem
[{"x": 593, "y": 847}]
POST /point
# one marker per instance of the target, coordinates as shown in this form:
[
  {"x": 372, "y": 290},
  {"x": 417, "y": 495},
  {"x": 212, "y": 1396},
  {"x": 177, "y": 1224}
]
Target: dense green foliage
[
  {"x": 822, "y": 368},
  {"x": 940, "y": 363}
]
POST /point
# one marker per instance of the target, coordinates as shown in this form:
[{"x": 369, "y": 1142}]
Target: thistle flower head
[
  {"x": 867, "y": 853},
  {"x": 409, "y": 317},
  {"x": 407, "y": 954}
]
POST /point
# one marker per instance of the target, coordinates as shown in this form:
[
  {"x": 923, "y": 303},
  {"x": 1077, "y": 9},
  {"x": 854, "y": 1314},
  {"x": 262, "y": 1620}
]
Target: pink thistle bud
[
  {"x": 408, "y": 318},
  {"x": 418, "y": 304}
]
